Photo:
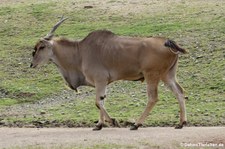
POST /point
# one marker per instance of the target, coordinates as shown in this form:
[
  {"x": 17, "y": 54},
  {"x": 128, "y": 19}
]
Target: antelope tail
[{"x": 174, "y": 47}]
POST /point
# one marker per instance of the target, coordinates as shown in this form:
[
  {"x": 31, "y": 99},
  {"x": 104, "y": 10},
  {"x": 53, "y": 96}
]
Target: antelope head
[{"x": 43, "y": 49}]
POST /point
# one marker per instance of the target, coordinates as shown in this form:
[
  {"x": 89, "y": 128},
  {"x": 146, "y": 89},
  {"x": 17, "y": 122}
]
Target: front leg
[
  {"x": 100, "y": 96},
  {"x": 101, "y": 121}
]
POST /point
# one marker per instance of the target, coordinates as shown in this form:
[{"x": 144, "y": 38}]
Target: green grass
[
  {"x": 198, "y": 28},
  {"x": 7, "y": 101}
]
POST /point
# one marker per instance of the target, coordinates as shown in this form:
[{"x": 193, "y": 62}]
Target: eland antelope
[{"x": 103, "y": 57}]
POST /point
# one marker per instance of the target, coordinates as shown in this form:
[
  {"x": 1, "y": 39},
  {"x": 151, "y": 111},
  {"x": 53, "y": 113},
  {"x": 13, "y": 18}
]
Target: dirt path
[{"x": 166, "y": 137}]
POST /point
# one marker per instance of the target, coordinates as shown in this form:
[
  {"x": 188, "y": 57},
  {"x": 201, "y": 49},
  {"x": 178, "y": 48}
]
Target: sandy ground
[{"x": 153, "y": 137}]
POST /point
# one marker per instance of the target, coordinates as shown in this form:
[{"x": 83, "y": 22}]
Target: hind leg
[
  {"x": 152, "y": 89},
  {"x": 170, "y": 80},
  {"x": 179, "y": 93}
]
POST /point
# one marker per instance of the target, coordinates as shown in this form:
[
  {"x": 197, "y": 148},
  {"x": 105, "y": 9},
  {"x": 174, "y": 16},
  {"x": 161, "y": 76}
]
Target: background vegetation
[{"x": 38, "y": 97}]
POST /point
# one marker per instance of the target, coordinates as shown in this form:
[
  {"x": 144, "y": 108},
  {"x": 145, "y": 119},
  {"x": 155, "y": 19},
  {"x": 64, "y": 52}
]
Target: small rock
[
  {"x": 88, "y": 7},
  {"x": 200, "y": 56},
  {"x": 2, "y": 122},
  {"x": 133, "y": 95},
  {"x": 206, "y": 114},
  {"x": 29, "y": 126},
  {"x": 137, "y": 105},
  {"x": 71, "y": 104},
  {"x": 42, "y": 112}
]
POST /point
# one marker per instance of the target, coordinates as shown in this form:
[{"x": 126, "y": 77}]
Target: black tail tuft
[{"x": 174, "y": 47}]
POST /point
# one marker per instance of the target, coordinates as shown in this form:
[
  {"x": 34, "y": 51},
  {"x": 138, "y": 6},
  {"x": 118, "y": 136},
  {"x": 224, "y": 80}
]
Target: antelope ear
[{"x": 47, "y": 43}]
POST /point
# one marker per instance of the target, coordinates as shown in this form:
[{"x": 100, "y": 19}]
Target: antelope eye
[{"x": 42, "y": 47}]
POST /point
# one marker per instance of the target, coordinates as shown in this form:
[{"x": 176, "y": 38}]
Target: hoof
[
  {"x": 115, "y": 123},
  {"x": 180, "y": 126},
  {"x": 135, "y": 127},
  {"x": 97, "y": 127}
]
